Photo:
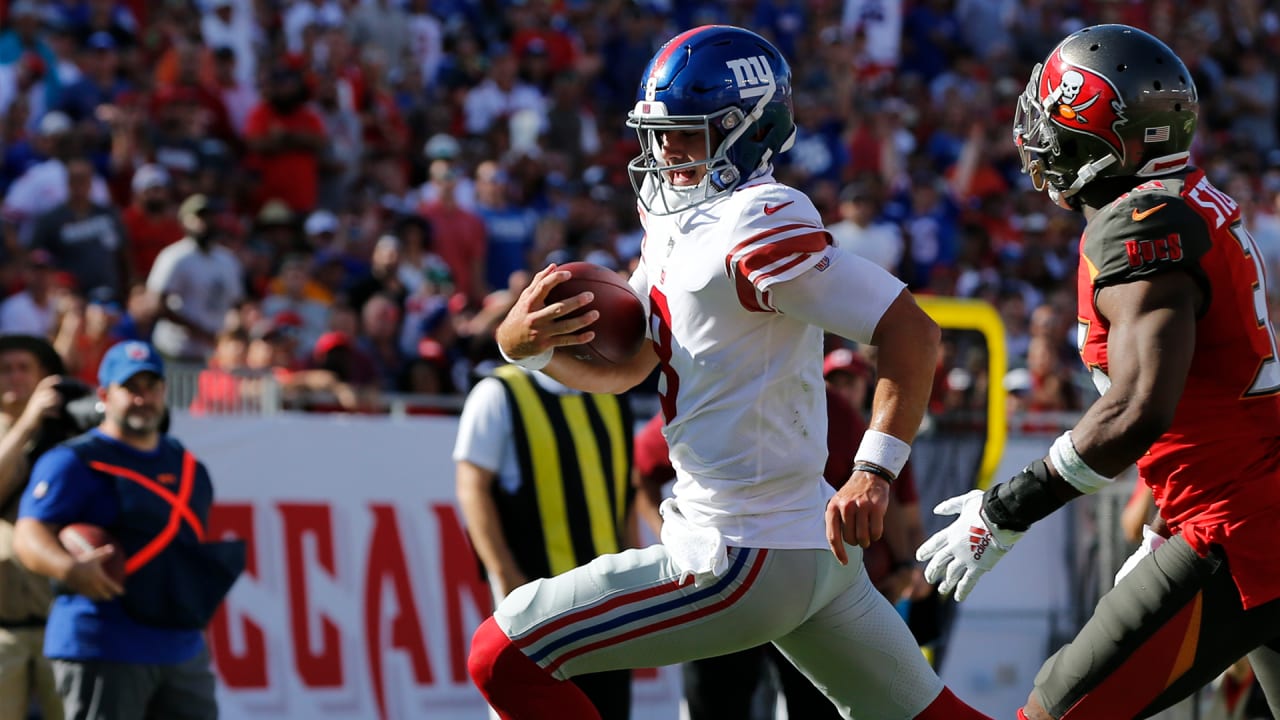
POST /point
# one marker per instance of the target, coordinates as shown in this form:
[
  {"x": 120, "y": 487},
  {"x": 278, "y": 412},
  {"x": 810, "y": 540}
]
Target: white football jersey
[{"x": 741, "y": 384}]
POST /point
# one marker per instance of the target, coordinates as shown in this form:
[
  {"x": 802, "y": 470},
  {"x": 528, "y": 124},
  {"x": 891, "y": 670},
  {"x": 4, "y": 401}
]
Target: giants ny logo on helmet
[
  {"x": 1079, "y": 99},
  {"x": 752, "y": 75}
]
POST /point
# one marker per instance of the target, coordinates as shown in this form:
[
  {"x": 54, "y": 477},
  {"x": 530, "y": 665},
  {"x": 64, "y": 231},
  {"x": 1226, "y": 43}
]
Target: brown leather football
[
  {"x": 80, "y": 539},
  {"x": 620, "y": 329}
]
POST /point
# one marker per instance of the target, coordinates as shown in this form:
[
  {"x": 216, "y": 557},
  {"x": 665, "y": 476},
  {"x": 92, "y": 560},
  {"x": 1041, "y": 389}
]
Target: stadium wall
[{"x": 361, "y": 592}]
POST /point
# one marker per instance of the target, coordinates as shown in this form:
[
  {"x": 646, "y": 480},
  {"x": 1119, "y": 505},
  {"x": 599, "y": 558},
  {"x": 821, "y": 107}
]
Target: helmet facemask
[
  {"x": 651, "y": 178},
  {"x": 1040, "y": 146}
]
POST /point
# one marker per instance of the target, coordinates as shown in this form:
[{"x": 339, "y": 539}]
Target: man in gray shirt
[{"x": 85, "y": 238}]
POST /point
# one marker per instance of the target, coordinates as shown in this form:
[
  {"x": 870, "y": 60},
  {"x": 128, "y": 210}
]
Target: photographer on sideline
[{"x": 30, "y": 405}]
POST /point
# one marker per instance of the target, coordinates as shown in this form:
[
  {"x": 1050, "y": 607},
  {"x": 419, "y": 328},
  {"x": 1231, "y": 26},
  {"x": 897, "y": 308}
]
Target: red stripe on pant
[
  {"x": 671, "y": 621},
  {"x": 516, "y": 687},
  {"x": 1152, "y": 668}
]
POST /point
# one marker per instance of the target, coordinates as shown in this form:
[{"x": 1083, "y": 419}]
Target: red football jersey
[{"x": 1215, "y": 474}]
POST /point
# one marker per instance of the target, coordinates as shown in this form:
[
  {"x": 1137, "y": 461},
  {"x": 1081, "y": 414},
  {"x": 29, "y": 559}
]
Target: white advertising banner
[{"x": 361, "y": 591}]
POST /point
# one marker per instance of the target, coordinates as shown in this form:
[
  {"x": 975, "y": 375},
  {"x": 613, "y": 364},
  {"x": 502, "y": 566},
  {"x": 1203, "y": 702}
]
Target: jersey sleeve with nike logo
[
  {"x": 1147, "y": 232},
  {"x": 778, "y": 235}
]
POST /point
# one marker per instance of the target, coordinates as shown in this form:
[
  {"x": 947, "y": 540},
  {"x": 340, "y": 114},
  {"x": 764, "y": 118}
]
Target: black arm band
[
  {"x": 874, "y": 470},
  {"x": 1024, "y": 499}
]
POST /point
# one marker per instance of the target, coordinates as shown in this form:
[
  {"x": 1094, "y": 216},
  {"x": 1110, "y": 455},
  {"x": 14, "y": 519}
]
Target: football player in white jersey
[{"x": 739, "y": 279}]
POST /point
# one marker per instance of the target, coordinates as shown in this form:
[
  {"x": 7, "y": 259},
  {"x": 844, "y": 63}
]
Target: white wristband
[
  {"x": 884, "y": 450},
  {"x": 533, "y": 362},
  {"x": 1073, "y": 468}
]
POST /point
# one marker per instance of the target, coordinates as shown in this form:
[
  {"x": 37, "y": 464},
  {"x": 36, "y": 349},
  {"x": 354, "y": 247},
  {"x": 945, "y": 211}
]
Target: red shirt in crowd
[
  {"x": 148, "y": 236},
  {"x": 460, "y": 239},
  {"x": 291, "y": 175}
]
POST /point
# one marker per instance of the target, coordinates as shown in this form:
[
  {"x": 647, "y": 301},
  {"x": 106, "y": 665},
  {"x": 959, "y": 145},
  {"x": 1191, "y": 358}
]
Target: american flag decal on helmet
[{"x": 1156, "y": 134}]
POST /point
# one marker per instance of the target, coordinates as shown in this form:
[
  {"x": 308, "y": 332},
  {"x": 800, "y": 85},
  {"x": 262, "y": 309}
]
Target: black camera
[{"x": 79, "y": 412}]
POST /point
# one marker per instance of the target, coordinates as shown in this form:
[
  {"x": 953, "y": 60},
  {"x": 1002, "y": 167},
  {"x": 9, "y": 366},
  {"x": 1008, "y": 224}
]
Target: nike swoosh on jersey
[
  {"x": 1139, "y": 216},
  {"x": 771, "y": 209}
]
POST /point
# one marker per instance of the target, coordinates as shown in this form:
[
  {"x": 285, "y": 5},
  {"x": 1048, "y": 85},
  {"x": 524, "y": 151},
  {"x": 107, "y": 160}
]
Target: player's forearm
[
  {"x": 648, "y": 498},
  {"x": 907, "y": 340},
  {"x": 36, "y": 546},
  {"x": 593, "y": 378},
  {"x": 13, "y": 445},
  {"x": 484, "y": 527}
]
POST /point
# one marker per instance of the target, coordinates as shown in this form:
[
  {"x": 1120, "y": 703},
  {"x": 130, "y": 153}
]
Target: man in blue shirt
[{"x": 117, "y": 650}]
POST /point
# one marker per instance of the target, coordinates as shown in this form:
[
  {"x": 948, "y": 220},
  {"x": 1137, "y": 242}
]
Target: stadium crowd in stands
[{"x": 347, "y": 194}]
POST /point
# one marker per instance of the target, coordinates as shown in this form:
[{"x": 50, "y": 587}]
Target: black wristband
[
  {"x": 862, "y": 466},
  {"x": 1023, "y": 499}
]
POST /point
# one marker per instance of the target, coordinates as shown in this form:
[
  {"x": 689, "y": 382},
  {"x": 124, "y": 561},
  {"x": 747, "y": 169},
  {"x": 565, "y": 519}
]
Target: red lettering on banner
[
  {"x": 386, "y": 563},
  {"x": 250, "y": 669},
  {"x": 461, "y": 577},
  {"x": 323, "y": 668}
]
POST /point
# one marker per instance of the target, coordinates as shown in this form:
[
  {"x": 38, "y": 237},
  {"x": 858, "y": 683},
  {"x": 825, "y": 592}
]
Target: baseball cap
[
  {"x": 856, "y": 192},
  {"x": 39, "y": 257},
  {"x": 43, "y": 351},
  {"x": 275, "y": 212},
  {"x": 150, "y": 176},
  {"x": 845, "y": 360},
  {"x": 321, "y": 221},
  {"x": 442, "y": 146},
  {"x": 194, "y": 205},
  {"x": 126, "y": 359},
  {"x": 54, "y": 122},
  {"x": 24, "y": 8},
  {"x": 101, "y": 40},
  {"x": 329, "y": 342}
]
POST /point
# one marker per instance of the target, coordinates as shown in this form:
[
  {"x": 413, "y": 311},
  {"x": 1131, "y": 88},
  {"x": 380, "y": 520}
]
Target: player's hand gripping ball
[
  {"x": 81, "y": 539},
  {"x": 620, "y": 329}
]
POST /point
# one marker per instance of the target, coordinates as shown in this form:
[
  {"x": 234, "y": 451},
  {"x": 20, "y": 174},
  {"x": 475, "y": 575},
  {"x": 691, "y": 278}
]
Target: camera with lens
[{"x": 79, "y": 412}]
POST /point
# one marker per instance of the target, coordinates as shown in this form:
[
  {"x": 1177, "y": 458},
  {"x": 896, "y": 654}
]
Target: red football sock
[
  {"x": 949, "y": 707},
  {"x": 516, "y": 687}
]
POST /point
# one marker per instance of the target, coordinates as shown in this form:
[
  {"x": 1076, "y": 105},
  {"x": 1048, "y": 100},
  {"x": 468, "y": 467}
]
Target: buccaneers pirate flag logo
[{"x": 1079, "y": 99}]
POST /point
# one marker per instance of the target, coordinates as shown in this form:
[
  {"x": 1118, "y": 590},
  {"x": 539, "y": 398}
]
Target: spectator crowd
[{"x": 346, "y": 195}]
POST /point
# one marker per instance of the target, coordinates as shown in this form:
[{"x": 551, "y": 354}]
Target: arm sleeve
[
  {"x": 484, "y": 428},
  {"x": 652, "y": 457},
  {"x": 778, "y": 237},
  {"x": 59, "y": 490},
  {"x": 160, "y": 280},
  {"x": 843, "y": 293}
]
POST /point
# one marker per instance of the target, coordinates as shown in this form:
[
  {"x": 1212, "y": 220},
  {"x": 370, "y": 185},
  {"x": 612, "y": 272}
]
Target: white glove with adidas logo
[{"x": 960, "y": 553}]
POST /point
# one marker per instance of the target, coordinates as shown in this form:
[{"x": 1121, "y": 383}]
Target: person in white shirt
[
  {"x": 44, "y": 185},
  {"x": 230, "y": 24},
  {"x": 197, "y": 282},
  {"x": 740, "y": 280},
  {"x": 33, "y": 310},
  {"x": 862, "y": 233},
  {"x": 501, "y": 95}
]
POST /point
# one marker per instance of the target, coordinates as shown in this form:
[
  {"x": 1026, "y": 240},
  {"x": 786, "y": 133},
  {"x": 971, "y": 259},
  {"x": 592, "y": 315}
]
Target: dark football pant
[
  {"x": 609, "y": 691},
  {"x": 723, "y": 687},
  {"x": 1171, "y": 626}
]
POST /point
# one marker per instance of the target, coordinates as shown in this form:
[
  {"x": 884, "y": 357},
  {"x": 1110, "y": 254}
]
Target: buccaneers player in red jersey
[{"x": 1174, "y": 328}]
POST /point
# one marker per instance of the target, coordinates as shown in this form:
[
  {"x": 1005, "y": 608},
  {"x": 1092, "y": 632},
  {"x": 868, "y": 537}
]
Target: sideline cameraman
[{"x": 30, "y": 406}]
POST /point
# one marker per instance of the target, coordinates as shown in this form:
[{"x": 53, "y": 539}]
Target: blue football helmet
[{"x": 727, "y": 82}]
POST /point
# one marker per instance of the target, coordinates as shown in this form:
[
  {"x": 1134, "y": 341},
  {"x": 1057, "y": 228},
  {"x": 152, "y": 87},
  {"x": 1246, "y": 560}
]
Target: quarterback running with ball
[{"x": 740, "y": 279}]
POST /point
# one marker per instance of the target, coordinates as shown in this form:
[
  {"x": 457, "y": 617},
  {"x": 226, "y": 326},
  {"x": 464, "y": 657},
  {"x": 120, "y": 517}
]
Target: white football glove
[
  {"x": 960, "y": 553},
  {"x": 1150, "y": 541}
]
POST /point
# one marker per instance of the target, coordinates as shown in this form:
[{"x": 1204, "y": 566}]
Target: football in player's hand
[
  {"x": 620, "y": 329},
  {"x": 80, "y": 539}
]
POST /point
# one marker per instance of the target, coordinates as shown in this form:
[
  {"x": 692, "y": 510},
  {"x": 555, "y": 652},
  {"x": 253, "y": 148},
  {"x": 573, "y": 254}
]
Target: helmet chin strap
[{"x": 1066, "y": 197}]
